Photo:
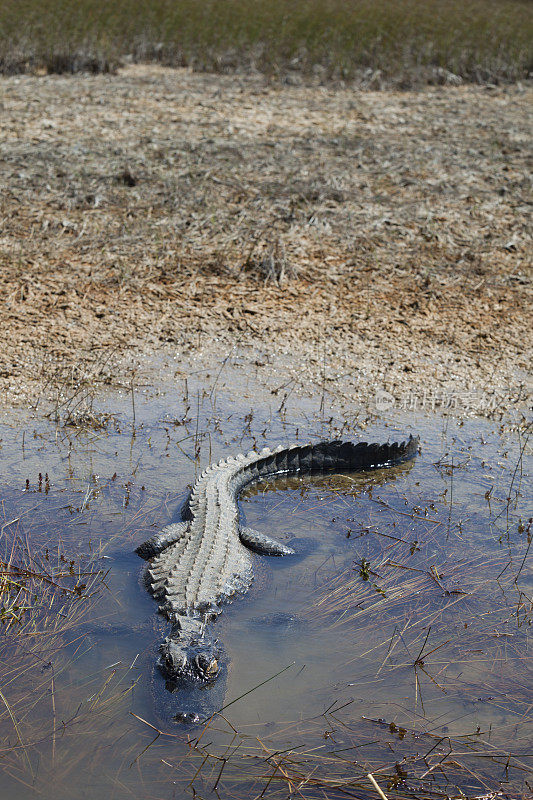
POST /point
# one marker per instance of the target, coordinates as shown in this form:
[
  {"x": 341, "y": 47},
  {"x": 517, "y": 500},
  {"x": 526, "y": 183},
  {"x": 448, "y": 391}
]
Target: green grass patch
[{"x": 480, "y": 40}]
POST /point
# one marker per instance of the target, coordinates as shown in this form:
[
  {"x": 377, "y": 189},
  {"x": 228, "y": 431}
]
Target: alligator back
[{"x": 208, "y": 563}]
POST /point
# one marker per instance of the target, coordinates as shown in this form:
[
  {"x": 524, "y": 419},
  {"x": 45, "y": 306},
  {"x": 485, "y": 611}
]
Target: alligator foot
[
  {"x": 263, "y": 544},
  {"x": 160, "y": 541}
]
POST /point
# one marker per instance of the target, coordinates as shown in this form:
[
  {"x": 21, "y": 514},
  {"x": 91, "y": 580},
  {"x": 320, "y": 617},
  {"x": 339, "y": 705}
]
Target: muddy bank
[{"x": 381, "y": 236}]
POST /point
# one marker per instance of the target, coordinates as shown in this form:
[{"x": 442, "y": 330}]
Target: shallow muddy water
[{"x": 396, "y": 642}]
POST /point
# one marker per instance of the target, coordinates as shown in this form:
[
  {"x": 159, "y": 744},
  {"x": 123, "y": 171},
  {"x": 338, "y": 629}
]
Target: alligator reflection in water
[{"x": 198, "y": 564}]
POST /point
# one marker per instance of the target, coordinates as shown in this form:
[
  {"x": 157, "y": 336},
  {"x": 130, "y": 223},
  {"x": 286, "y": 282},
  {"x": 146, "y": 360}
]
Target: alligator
[{"x": 199, "y": 563}]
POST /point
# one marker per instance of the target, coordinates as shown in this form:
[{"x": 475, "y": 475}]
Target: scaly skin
[{"x": 199, "y": 564}]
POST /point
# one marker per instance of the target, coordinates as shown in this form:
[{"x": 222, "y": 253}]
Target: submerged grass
[
  {"x": 56, "y": 599},
  {"x": 45, "y": 594},
  {"x": 483, "y": 40},
  {"x": 330, "y": 756}
]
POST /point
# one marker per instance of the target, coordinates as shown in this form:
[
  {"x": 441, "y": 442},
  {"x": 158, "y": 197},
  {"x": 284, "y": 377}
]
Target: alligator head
[
  {"x": 181, "y": 661},
  {"x": 188, "y": 656},
  {"x": 190, "y": 664},
  {"x": 188, "y": 696}
]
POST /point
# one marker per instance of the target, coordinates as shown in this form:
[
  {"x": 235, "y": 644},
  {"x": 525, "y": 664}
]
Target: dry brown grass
[{"x": 379, "y": 236}]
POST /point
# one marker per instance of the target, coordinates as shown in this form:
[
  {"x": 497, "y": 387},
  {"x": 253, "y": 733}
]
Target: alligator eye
[
  {"x": 205, "y": 667},
  {"x": 212, "y": 669}
]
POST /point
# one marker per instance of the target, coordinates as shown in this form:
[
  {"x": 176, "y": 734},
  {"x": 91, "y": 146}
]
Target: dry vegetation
[
  {"x": 401, "y": 41},
  {"x": 376, "y": 235}
]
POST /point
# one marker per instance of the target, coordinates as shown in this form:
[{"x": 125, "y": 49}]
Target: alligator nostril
[{"x": 187, "y": 717}]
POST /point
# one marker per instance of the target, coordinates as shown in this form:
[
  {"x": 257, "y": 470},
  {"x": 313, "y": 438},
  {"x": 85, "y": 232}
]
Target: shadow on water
[{"x": 395, "y": 643}]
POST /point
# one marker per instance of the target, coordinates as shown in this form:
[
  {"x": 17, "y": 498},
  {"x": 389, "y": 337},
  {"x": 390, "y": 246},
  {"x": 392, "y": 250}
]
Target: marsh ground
[{"x": 379, "y": 236}]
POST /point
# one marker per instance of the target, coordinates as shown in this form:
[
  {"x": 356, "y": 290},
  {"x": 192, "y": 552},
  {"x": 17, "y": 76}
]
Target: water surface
[{"x": 399, "y": 636}]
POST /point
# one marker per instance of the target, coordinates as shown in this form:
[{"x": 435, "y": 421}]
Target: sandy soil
[{"x": 381, "y": 236}]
